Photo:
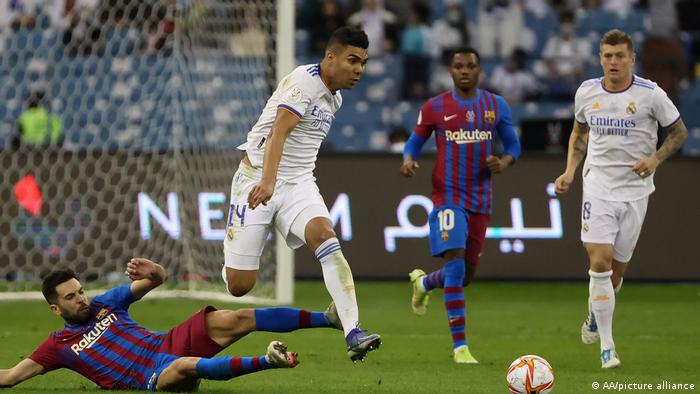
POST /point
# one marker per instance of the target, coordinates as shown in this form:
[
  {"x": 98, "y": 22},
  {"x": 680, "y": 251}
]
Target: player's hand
[
  {"x": 408, "y": 168},
  {"x": 645, "y": 166},
  {"x": 563, "y": 182},
  {"x": 496, "y": 165},
  {"x": 261, "y": 193},
  {"x": 139, "y": 268}
]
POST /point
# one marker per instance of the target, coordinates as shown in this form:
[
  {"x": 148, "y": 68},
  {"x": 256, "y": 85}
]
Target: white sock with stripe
[
  {"x": 338, "y": 278},
  {"x": 602, "y": 297}
]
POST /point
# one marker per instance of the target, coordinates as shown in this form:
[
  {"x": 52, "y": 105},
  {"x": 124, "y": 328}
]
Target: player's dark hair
[
  {"x": 345, "y": 36},
  {"x": 617, "y": 37},
  {"x": 55, "y": 278},
  {"x": 466, "y": 50}
]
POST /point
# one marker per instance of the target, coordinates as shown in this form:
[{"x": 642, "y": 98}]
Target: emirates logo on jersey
[{"x": 94, "y": 335}]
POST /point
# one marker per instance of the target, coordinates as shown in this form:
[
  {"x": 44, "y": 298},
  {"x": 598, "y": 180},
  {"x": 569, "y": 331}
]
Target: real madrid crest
[
  {"x": 631, "y": 108},
  {"x": 585, "y": 227},
  {"x": 229, "y": 233}
]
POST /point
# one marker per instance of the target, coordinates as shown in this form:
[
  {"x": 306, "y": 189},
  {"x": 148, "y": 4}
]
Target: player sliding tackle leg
[
  {"x": 117, "y": 353},
  {"x": 461, "y": 184},
  {"x": 227, "y": 327},
  {"x": 274, "y": 184}
]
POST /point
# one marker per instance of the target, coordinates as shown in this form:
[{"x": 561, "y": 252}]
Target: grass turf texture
[{"x": 657, "y": 334}]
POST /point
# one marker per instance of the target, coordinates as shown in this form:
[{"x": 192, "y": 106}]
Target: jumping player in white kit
[
  {"x": 275, "y": 186},
  {"x": 616, "y": 129}
]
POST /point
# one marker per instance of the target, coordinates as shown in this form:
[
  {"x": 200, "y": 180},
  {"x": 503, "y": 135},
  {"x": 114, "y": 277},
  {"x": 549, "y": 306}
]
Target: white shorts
[
  {"x": 291, "y": 207},
  {"x": 613, "y": 222}
]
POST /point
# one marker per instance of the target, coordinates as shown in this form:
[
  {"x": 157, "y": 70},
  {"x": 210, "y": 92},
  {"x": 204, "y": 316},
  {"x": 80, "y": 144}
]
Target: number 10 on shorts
[{"x": 446, "y": 220}]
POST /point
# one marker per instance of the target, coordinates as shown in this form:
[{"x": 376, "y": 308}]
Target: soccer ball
[{"x": 529, "y": 375}]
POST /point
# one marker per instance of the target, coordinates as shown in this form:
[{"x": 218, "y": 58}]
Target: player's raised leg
[
  {"x": 184, "y": 373},
  {"x": 246, "y": 232},
  {"x": 337, "y": 275},
  {"x": 421, "y": 295}
]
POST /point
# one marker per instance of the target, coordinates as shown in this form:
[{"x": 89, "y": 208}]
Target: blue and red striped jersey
[
  {"x": 464, "y": 134},
  {"x": 111, "y": 350}
]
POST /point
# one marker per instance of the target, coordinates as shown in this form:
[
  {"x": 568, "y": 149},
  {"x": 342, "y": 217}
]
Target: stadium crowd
[{"x": 535, "y": 53}]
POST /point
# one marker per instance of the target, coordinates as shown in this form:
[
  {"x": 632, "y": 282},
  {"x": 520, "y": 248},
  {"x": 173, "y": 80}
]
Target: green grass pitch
[{"x": 657, "y": 334}]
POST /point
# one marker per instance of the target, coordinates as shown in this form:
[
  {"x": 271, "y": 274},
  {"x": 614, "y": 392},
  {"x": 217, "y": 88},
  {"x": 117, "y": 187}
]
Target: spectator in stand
[
  {"x": 501, "y": 25},
  {"x": 565, "y": 57},
  {"x": 83, "y": 35},
  {"x": 249, "y": 38},
  {"x": 441, "y": 79},
  {"x": 397, "y": 139},
  {"x": 664, "y": 62},
  {"x": 38, "y": 127},
  {"x": 514, "y": 81},
  {"x": 16, "y": 14},
  {"x": 450, "y": 31},
  {"x": 415, "y": 44},
  {"x": 621, "y": 7},
  {"x": 331, "y": 19},
  {"x": 380, "y": 24}
]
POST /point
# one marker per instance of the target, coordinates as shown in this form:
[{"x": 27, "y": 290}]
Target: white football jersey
[
  {"x": 303, "y": 93},
  {"x": 623, "y": 129}
]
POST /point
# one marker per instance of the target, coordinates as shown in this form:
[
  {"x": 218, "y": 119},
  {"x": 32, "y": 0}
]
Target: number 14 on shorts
[{"x": 236, "y": 214}]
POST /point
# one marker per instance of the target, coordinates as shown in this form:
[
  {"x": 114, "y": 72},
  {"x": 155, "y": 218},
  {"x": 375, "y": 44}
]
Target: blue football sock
[
  {"x": 224, "y": 368},
  {"x": 434, "y": 280},
  {"x": 288, "y": 319},
  {"x": 454, "y": 300}
]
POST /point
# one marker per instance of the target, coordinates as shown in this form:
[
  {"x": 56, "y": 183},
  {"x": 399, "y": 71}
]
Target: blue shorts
[{"x": 448, "y": 229}]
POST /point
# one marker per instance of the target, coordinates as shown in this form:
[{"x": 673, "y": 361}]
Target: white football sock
[
  {"x": 590, "y": 291},
  {"x": 338, "y": 278},
  {"x": 602, "y": 297}
]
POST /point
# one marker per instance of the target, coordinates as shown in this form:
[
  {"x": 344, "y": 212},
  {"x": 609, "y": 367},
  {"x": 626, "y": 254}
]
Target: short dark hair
[
  {"x": 464, "y": 50},
  {"x": 55, "y": 278},
  {"x": 617, "y": 37},
  {"x": 346, "y": 35}
]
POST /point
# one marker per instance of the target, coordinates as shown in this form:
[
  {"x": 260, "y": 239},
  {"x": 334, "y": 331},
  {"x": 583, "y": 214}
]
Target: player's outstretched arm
[
  {"x": 578, "y": 143},
  {"x": 285, "y": 122},
  {"x": 677, "y": 135},
  {"x": 145, "y": 274},
  {"x": 24, "y": 370}
]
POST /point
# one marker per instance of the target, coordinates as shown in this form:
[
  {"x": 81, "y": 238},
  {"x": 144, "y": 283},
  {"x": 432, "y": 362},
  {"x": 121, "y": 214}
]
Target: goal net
[{"x": 130, "y": 113}]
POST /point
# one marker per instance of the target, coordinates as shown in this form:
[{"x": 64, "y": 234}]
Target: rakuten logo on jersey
[
  {"x": 462, "y": 136},
  {"x": 94, "y": 335}
]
